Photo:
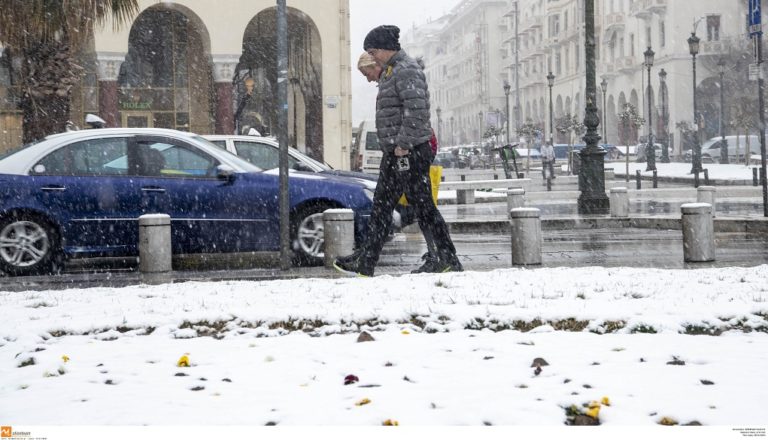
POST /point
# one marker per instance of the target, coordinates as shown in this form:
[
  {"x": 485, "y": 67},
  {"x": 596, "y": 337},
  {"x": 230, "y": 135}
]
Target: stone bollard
[
  {"x": 619, "y": 202},
  {"x": 526, "y": 236},
  {"x": 515, "y": 199},
  {"x": 698, "y": 232},
  {"x": 339, "y": 234},
  {"x": 706, "y": 194},
  {"x": 155, "y": 243}
]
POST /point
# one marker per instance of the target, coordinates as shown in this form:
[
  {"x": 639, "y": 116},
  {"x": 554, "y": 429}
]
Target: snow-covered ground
[
  {"x": 682, "y": 170},
  {"x": 680, "y": 346}
]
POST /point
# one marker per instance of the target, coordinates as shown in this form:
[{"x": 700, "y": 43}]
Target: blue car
[{"x": 80, "y": 194}]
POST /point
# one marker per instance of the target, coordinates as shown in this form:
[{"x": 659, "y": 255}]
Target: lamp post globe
[
  {"x": 693, "y": 47},
  {"x": 650, "y": 152},
  {"x": 723, "y": 141}
]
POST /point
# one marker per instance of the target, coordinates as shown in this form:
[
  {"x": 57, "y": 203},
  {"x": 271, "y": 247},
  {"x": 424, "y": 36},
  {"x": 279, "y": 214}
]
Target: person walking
[
  {"x": 404, "y": 131},
  {"x": 548, "y": 160},
  {"x": 371, "y": 70}
]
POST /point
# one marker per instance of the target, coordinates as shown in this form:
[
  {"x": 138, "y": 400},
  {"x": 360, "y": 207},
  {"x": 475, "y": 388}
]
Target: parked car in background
[
  {"x": 264, "y": 152},
  {"x": 368, "y": 147},
  {"x": 80, "y": 194},
  {"x": 710, "y": 150}
]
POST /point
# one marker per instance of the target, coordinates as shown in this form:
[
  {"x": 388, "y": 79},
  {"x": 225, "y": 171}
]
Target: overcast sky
[{"x": 367, "y": 14}]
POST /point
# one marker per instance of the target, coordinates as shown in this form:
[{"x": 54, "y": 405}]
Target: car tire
[
  {"x": 29, "y": 245},
  {"x": 307, "y": 235}
]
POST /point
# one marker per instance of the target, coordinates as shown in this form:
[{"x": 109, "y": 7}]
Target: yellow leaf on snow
[
  {"x": 65, "y": 358},
  {"x": 390, "y": 422},
  {"x": 365, "y": 401},
  {"x": 183, "y": 361}
]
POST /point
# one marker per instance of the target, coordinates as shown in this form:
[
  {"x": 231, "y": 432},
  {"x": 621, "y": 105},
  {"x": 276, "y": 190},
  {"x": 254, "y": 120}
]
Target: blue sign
[{"x": 755, "y": 27}]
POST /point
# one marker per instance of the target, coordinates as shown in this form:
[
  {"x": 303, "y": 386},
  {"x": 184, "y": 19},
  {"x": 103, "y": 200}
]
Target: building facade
[
  {"x": 476, "y": 47},
  {"x": 210, "y": 67}
]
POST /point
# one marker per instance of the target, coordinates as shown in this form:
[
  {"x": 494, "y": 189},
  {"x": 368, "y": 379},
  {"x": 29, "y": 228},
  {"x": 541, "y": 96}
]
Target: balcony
[
  {"x": 531, "y": 24},
  {"x": 658, "y": 6},
  {"x": 626, "y": 64},
  {"x": 641, "y": 9},
  {"x": 614, "y": 22}
]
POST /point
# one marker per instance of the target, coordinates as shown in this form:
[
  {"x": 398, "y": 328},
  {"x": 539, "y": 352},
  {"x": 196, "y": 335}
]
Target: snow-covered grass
[
  {"x": 451, "y": 349},
  {"x": 682, "y": 170}
]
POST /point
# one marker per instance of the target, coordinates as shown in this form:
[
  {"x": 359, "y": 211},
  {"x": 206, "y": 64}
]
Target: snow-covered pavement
[{"x": 679, "y": 346}]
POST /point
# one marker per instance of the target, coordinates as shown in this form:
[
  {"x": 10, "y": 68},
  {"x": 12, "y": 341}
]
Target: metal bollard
[
  {"x": 706, "y": 194},
  {"x": 549, "y": 184},
  {"x": 155, "y": 243},
  {"x": 619, "y": 202},
  {"x": 696, "y": 179},
  {"x": 515, "y": 198},
  {"x": 655, "y": 179},
  {"x": 706, "y": 176},
  {"x": 338, "y": 234},
  {"x": 526, "y": 236},
  {"x": 754, "y": 177},
  {"x": 637, "y": 176},
  {"x": 698, "y": 232}
]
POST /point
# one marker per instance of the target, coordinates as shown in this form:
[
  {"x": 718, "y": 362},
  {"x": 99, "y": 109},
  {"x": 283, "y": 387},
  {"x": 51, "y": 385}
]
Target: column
[
  {"x": 109, "y": 69},
  {"x": 223, "y": 73}
]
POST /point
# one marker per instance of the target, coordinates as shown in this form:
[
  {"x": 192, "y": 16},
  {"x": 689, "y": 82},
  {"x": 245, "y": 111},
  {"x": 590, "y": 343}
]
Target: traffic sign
[{"x": 755, "y": 26}]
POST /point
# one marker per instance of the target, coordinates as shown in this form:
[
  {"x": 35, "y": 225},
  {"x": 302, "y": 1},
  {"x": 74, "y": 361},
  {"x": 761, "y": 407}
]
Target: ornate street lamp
[
  {"x": 663, "y": 129},
  {"x": 723, "y": 141},
  {"x": 592, "y": 198},
  {"x": 604, "y": 88},
  {"x": 480, "y": 125},
  {"x": 551, "y": 82},
  {"x": 507, "y": 87},
  {"x": 693, "y": 47},
  {"x": 650, "y": 152},
  {"x": 439, "y": 111}
]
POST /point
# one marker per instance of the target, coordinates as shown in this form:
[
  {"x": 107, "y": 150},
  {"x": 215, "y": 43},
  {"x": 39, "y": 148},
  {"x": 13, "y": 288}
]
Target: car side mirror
[{"x": 225, "y": 173}]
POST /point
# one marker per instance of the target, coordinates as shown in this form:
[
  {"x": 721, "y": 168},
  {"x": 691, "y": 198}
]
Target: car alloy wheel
[
  {"x": 310, "y": 237},
  {"x": 25, "y": 246}
]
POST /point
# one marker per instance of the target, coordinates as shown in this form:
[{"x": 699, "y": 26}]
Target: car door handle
[
  {"x": 54, "y": 188},
  {"x": 152, "y": 189}
]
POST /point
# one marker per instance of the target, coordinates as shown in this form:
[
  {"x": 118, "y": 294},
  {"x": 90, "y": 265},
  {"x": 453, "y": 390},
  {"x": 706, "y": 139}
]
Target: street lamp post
[
  {"x": 604, "y": 88},
  {"x": 551, "y": 82},
  {"x": 480, "y": 125},
  {"x": 650, "y": 152},
  {"x": 453, "y": 142},
  {"x": 663, "y": 129},
  {"x": 693, "y": 47},
  {"x": 507, "y": 87},
  {"x": 592, "y": 199},
  {"x": 439, "y": 111},
  {"x": 723, "y": 141}
]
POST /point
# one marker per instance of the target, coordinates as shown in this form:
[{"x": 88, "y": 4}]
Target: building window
[
  {"x": 631, "y": 45},
  {"x": 648, "y": 37},
  {"x": 662, "y": 34},
  {"x": 713, "y": 28},
  {"x": 558, "y": 65},
  {"x": 554, "y": 25},
  {"x": 565, "y": 21}
]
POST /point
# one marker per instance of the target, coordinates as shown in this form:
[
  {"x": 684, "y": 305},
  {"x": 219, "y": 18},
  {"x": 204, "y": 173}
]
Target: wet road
[{"x": 628, "y": 247}]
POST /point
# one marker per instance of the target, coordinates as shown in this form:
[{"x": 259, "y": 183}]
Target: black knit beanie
[{"x": 383, "y": 37}]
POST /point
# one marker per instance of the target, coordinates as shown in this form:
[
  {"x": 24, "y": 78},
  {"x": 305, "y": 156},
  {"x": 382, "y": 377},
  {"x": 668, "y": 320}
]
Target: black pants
[{"x": 417, "y": 187}]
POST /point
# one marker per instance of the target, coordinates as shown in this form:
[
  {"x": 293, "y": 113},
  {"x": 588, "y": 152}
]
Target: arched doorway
[
  {"x": 305, "y": 94},
  {"x": 166, "y": 80}
]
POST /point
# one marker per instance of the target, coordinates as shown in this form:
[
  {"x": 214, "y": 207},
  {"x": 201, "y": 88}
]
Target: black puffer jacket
[{"x": 402, "y": 105}]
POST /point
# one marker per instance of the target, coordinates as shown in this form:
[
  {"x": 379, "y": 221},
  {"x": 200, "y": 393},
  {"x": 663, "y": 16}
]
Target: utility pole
[
  {"x": 517, "y": 72},
  {"x": 282, "y": 134}
]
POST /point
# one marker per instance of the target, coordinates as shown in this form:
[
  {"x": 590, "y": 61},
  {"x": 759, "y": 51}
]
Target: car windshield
[
  {"x": 242, "y": 163},
  {"x": 323, "y": 166}
]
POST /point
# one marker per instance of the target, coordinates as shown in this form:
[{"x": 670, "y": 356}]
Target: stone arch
[
  {"x": 167, "y": 77},
  {"x": 305, "y": 82}
]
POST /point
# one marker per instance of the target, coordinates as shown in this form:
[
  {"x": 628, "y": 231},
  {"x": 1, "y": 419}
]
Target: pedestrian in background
[
  {"x": 548, "y": 160},
  {"x": 404, "y": 131}
]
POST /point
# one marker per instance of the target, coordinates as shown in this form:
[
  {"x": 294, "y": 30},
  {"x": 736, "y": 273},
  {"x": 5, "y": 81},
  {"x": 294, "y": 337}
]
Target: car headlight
[{"x": 368, "y": 193}]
